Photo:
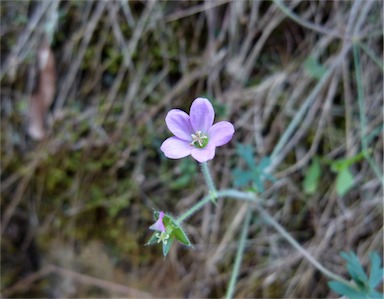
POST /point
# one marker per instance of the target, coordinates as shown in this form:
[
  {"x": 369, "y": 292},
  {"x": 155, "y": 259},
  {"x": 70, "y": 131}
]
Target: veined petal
[
  {"x": 204, "y": 154},
  {"x": 221, "y": 133},
  {"x": 201, "y": 115},
  {"x": 175, "y": 148},
  {"x": 178, "y": 122}
]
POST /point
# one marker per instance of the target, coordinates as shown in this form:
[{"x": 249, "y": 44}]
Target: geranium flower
[
  {"x": 195, "y": 133},
  {"x": 158, "y": 225}
]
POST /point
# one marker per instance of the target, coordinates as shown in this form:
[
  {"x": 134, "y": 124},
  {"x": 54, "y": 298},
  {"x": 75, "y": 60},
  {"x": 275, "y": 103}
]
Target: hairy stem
[
  {"x": 208, "y": 180},
  {"x": 195, "y": 208}
]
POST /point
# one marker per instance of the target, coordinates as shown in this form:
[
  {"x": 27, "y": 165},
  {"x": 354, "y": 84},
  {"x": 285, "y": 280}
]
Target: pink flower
[
  {"x": 158, "y": 225},
  {"x": 195, "y": 133}
]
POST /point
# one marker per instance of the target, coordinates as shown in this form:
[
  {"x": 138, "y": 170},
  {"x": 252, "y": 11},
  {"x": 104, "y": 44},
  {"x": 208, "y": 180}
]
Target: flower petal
[
  {"x": 201, "y": 115},
  {"x": 221, "y": 133},
  {"x": 158, "y": 225},
  {"x": 204, "y": 154},
  {"x": 175, "y": 148},
  {"x": 178, "y": 122}
]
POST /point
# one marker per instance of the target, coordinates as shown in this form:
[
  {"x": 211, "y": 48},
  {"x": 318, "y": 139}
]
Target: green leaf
[
  {"x": 365, "y": 288},
  {"x": 265, "y": 162},
  {"x": 312, "y": 177},
  {"x": 355, "y": 268},
  {"x": 178, "y": 232},
  {"x": 377, "y": 273},
  {"x": 258, "y": 183},
  {"x": 256, "y": 174},
  {"x": 166, "y": 219},
  {"x": 344, "y": 181},
  {"x": 168, "y": 245},
  {"x": 314, "y": 68},
  {"x": 241, "y": 177},
  {"x": 343, "y": 289},
  {"x": 188, "y": 170},
  {"x": 181, "y": 236},
  {"x": 180, "y": 182},
  {"x": 376, "y": 295},
  {"x": 246, "y": 152},
  {"x": 153, "y": 240}
]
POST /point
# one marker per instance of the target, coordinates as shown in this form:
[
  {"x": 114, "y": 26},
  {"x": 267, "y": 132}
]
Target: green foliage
[
  {"x": 364, "y": 286},
  {"x": 312, "y": 177},
  {"x": 314, "y": 68},
  {"x": 344, "y": 180},
  {"x": 344, "y": 177},
  {"x": 221, "y": 110},
  {"x": 188, "y": 170},
  {"x": 256, "y": 174}
]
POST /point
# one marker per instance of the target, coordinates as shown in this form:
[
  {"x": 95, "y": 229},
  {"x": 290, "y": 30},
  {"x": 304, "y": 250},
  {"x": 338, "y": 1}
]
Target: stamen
[{"x": 200, "y": 139}]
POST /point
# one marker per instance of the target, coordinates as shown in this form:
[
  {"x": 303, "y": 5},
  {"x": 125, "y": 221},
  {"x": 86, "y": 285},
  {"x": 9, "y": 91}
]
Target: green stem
[
  {"x": 363, "y": 120},
  {"x": 239, "y": 255},
  {"x": 208, "y": 178},
  {"x": 195, "y": 208},
  {"x": 212, "y": 196},
  {"x": 235, "y": 194},
  {"x": 371, "y": 55},
  {"x": 223, "y": 193}
]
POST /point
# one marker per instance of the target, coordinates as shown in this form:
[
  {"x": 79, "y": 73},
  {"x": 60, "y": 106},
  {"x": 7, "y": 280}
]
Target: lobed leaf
[
  {"x": 355, "y": 268},
  {"x": 377, "y": 272},
  {"x": 345, "y": 290},
  {"x": 241, "y": 177},
  {"x": 256, "y": 174}
]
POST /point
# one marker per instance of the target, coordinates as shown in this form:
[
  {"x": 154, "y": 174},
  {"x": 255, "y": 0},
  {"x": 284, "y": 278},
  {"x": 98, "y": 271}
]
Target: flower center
[
  {"x": 199, "y": 140},
  {"x": 162, "y": 237}
]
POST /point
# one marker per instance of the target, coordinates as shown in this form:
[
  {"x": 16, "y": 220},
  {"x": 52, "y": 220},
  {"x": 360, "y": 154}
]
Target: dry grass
[{"x": 76, "y": 204}]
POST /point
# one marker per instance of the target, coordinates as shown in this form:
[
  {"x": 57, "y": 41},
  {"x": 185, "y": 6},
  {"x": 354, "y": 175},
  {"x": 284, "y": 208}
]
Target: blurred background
[{"x": 85, "y": 87}]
